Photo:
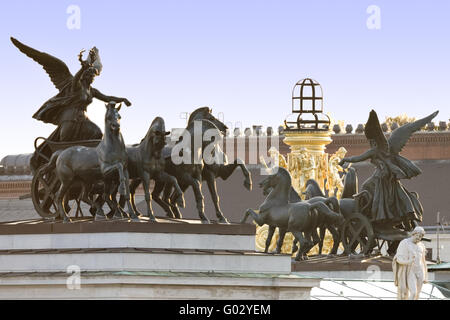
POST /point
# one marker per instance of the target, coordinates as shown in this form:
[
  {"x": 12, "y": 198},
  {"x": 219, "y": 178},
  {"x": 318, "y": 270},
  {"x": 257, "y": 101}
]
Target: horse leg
[
  {"x": 336, "y": 239},
  {"x": 84, "y": 196},
  {"x": 298, "y": 235},
  {"x": 126, "y": 194},
  {"x": 315, "y": 238},
  {"x": 321, "y": 239},
  {"x": 225, "y": 172},
  {"x": 177, "y": 195},
  {"x": 146, "y": 182},
  {"x": 173, "y": 205},
  {"x": 106, "y": 197},
  {"x": 133, "y": 186},
  {"x": 65, "y": 186},
  {"x": 124, "y": 189},
  {"x": 212, "y": 186},
  {"x": 67, "y": 207},
  {"x": 312, "y": 238},
  {"x": 269, "y": 238},
  {"x": 97, "y": 204},
  {"x": 117, "y": 212},
  {"x": 282, "y": 232},
  {"x": 196, "y": 186},
  {"x": 258, "y": 218},
  {"x": 159, "y": 186}
]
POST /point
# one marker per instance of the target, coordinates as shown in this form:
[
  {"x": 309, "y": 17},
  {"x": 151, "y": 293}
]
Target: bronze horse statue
[
  {"x": 322, "y": 223},
  {"x": 210, "y": 172},
  {"x": 299, "y": 218},
  {"x": 145, "y": 162},
  {"x": 188, "y": 171},
  {"x": 106, "y": 163},
  {"x": 221, "y": 168}
]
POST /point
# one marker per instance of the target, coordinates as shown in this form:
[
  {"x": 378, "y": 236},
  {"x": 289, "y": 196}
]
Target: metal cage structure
[{"x": 307, "y": 102}]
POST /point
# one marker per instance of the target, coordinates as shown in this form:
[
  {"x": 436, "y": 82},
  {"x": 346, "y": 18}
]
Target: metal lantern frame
[{"x": 313, "y": 108}]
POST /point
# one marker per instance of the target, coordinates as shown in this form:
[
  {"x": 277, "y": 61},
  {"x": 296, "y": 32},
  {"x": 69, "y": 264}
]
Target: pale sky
[{"x": 240, "y": 57}]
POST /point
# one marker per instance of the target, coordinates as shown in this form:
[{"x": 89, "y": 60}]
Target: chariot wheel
[
  {"x": 357, "y": 235},
  {"x": 44, "y": 187}
]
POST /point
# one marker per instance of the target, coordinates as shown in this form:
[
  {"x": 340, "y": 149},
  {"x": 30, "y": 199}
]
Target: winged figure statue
[
  {"x": 67, "y": 109},
  {"x": 391, "y": 201}
]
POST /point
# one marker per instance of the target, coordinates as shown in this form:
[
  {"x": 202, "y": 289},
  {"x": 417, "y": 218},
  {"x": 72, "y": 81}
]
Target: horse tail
[{"x": 51, "y": 165}]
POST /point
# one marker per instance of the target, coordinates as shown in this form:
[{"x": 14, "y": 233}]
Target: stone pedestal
[
  {"x": 172, "y": 259},
  {"x": 156, "y": 285}
]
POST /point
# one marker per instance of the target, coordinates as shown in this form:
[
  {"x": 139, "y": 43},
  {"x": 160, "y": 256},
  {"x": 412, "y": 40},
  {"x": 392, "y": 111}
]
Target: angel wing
[
  {"x": 401, "y": 135},
  {"x": 57, "y": 70},
  {"x": 373, "y": 131}
]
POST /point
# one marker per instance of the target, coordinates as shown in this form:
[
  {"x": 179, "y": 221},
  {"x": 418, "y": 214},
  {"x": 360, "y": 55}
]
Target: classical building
[{"x": 429, "y": 150}]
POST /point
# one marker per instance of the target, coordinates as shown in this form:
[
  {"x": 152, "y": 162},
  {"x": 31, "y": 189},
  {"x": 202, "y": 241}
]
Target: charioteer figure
[
  {"x": 67, "y": 110},
  {"x": 391, "y": 203}
]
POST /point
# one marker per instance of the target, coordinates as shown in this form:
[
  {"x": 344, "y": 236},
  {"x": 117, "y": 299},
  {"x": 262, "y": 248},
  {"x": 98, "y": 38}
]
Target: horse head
[
  {"x": 268, "y": 183},
  {"x": 313, "y": 189},
  {"x": 112, "y": 117},
  {"x": 205, "y": 113},
  {"x": 196, "y": 139},
  {"x": 157, "y": 135},
  {"x": 280, "y": 179}
]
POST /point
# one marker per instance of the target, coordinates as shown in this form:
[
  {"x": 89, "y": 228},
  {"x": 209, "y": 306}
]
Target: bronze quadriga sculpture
[
  {"x": 384, "y": 211},
  {"x": 77, "y": 162},
  {"x": 301, "y": 218}
]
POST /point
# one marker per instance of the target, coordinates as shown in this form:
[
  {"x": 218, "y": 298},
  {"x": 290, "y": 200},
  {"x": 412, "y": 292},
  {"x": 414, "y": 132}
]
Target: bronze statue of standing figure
[{"x": 67, "y": 109}]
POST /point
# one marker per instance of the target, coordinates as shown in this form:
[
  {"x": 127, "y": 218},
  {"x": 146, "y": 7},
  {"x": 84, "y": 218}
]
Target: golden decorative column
[
  {"x": 315, "y": 143},
  {"x": 310, "y": 130}
]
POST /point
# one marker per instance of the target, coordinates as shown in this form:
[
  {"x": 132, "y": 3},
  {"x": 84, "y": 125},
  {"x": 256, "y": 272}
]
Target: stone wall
[{"x": 423, "y": 145}]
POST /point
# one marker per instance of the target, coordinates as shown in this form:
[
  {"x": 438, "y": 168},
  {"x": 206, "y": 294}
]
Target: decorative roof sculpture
[{"x": 307, "y": 103}]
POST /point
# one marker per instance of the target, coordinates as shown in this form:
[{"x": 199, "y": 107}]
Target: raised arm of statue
[
  {"x": 97, "y": 94},
  {"x": 366, "y": 155}
]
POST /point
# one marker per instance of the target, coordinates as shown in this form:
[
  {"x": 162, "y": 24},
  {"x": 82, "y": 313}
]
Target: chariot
[
  {"x": 45, "y": 183},
  {"x": 361, "y": 232}
]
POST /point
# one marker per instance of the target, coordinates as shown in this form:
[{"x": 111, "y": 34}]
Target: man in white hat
[{"x": 409, "y": 266}]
